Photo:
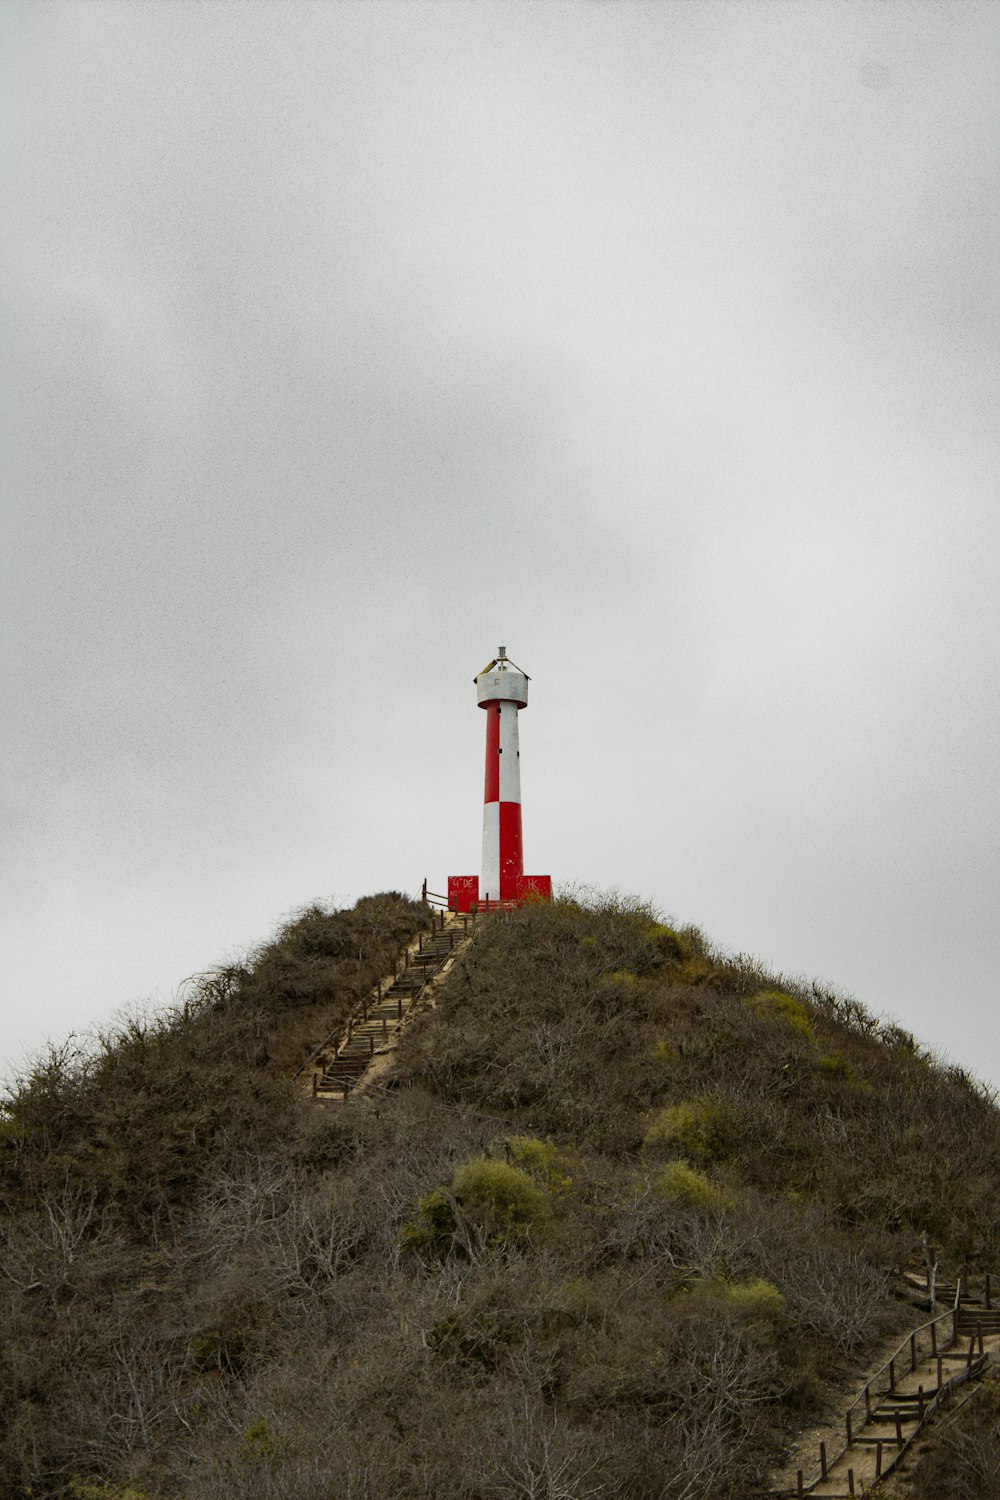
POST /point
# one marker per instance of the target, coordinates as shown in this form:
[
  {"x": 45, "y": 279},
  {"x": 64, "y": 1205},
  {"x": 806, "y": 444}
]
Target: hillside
[{"x": 625, "y": 1211}]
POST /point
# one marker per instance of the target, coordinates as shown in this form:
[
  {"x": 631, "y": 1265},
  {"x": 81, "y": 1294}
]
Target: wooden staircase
[
  {"x": 928, "y": 1366},
  {"x": 335, "y": 1071}
]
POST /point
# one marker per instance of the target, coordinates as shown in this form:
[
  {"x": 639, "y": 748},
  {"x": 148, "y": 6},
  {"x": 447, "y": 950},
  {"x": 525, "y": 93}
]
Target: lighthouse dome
[{"x": 497, "y": 685}]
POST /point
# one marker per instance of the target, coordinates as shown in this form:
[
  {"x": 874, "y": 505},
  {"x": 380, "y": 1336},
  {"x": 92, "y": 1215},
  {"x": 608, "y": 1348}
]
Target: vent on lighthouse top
[{"x": 502, "y": 663}]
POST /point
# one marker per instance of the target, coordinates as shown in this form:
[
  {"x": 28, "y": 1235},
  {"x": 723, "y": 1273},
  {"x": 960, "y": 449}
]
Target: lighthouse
[{"x": 502, "y": 690}]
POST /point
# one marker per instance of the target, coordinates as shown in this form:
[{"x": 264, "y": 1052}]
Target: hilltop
[{"x": 622, "y": 1213}]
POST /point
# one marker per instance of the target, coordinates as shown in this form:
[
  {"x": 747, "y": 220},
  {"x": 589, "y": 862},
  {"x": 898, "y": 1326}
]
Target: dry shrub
[
  {"x": 960, "y": 1458},
  {"x": 203, "y": 1284}
]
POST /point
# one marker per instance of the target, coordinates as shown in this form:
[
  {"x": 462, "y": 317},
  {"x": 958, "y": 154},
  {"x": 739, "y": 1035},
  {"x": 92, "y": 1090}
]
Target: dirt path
[
  {"x": 892, "y": 1399},
  {"x": 830, "y": 1429},
  {"x": 365, "y": 1051}
]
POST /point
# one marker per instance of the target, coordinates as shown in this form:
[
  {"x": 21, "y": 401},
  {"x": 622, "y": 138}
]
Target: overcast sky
[{"x": 655, "y": 341}]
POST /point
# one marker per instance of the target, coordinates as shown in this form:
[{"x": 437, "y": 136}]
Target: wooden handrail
[
  {"x": 338, "y": 1031},
  {"x": 420, "y": 964},
  {"x": 910, "y": 1350}
]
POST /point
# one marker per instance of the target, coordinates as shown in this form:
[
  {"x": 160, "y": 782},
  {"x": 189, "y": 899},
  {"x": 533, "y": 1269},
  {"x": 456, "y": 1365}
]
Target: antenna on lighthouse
[{"x": 502, "y": 690}]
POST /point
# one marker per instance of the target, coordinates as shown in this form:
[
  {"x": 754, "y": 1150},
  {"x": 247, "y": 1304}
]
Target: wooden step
[{"x": 380, "y": 1015}]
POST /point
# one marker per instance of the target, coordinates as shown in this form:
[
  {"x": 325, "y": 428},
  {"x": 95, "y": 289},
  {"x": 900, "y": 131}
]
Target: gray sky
[{"x": 658, "y": 342}]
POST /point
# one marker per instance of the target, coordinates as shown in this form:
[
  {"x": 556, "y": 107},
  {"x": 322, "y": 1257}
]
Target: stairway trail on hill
[
  {"x": 351, "y": 1057},
  {"x": 931, "y": 1363},
  {"x": 878, "y": 1430}
]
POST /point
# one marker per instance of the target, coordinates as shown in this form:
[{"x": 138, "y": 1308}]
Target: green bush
[
  {"x": 542, "y": 1160},
  {"x": 836, "y": 1066},
  {"x": 435, "y": 1226},
  {"x": 778, "y": 1005},
  {"x": 261, "y": 1444},
  {"x": 506, "y": 1201},
  {"x": 501, "y": 1203},
  {"x": 623, "y": 978},
  {"x": 684, "y": 1187},
  {"x": 701, "y": 1127},
  {"x": 754, "y": 1298}
]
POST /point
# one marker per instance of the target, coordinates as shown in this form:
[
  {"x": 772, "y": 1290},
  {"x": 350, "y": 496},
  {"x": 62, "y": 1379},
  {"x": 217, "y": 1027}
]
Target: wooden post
[
  {"x": 350, "y": 1031},
  {"x": 980, "y": 1338},
  {"x": 920, "y": 1401},
  {"x": 799, "y": 1489},
  {"x": 315, "y": 1083},
  {"x": 399, "y": 1008},
  {"x": 850, "y": 1481},
  {"x": 347, "y": 1089},
  {"x": 939, "y": 1373},
  {"x": 878, "y": 1459},
  {"x": 385, "y": 1029},
  {"x": 934, "y": 1339},
  {"x": 892, "y": 1377},
  {"x": 899, "y": 1429},
  {"x": 868, "y": 1403},
  {"x": 972, "y": 1352},
  {"x": 371, "y": 1044},
  {"x": 913, "y": 1351},
  {"x": 822, "y": 1460},
  {"x": 850, "y": 1436}
]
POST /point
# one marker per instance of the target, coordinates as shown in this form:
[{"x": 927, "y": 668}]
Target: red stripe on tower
[
  {"x": 511, "y": 854},
  {"x": 492, "y": 793}
]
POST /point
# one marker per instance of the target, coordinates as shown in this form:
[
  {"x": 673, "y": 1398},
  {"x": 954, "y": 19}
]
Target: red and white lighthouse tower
[{"x": 502, "y": 690}]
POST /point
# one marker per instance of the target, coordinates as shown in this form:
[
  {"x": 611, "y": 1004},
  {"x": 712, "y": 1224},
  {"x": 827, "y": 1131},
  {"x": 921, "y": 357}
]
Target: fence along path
[
  {"x": 348, "y": 1057},
  {"x": 897, "y": 1402}
]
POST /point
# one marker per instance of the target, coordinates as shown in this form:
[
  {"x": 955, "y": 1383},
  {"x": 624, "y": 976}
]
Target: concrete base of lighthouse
[{"x": 464, "y": 895}]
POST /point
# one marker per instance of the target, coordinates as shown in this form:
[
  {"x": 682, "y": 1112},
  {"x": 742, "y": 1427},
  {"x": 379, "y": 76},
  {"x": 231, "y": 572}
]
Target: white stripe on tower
[
  {"x": 489, "y": 885},
  {"x": 510, "y": 754}
]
